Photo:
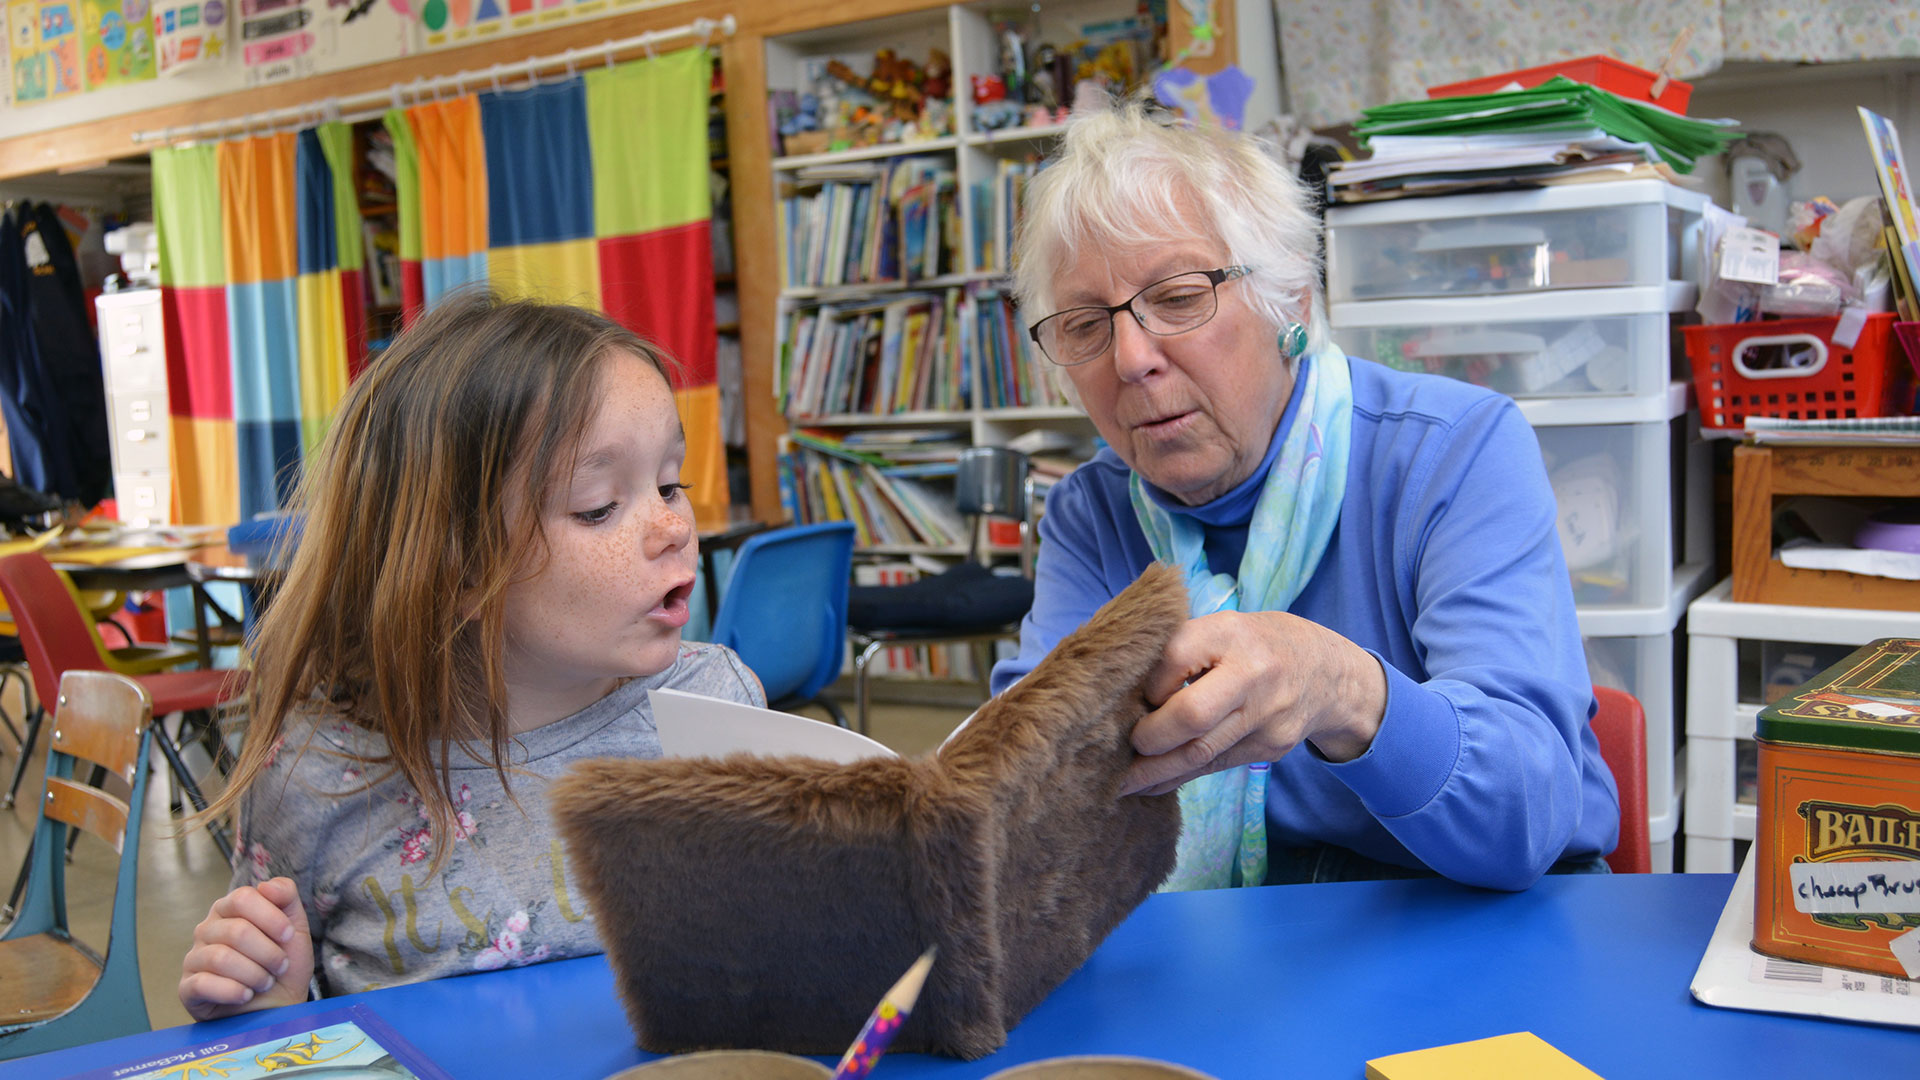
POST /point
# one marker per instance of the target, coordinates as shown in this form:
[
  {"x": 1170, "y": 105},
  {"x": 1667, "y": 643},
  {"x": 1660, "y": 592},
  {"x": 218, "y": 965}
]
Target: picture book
[
  {"x": 338, "y": 1043},
  {"x": 1895, "y": 187}
]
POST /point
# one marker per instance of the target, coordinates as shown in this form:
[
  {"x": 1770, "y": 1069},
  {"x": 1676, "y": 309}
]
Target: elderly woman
[{"x": 1382, "y": 610}]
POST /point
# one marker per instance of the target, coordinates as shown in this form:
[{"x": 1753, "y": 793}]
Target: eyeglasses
[{"x": 1169, "y": 306}]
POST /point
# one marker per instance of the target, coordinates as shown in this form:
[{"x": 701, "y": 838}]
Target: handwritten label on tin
[{"x": 1853, "y": 888}]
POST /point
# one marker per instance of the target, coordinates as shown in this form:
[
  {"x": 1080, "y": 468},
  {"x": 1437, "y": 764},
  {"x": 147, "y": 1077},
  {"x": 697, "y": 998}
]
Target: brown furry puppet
[{"x": 770, "y": 901}]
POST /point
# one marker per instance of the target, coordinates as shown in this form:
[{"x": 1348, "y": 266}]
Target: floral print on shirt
[{"x": 508, "y": 947}]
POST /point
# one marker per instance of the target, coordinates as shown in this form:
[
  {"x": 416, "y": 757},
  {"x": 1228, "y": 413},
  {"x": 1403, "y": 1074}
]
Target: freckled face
[{"x": 611, "y": 597}]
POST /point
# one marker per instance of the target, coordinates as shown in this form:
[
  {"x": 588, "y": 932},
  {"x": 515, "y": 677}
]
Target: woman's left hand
[{"x": 1234, "y": 688}]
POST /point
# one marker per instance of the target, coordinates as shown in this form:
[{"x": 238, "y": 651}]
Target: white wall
[{"x": 1814, "y": 107}]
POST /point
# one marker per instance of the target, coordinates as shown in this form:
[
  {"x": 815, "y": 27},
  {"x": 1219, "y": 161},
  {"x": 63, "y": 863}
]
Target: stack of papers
[{"x": 1559, "y": 132}]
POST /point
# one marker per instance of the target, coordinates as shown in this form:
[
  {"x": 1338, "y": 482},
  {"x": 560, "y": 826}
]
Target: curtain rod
[{"x": 370, "y": 104}]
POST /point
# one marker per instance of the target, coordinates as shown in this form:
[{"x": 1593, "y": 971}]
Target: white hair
[{"x": 1125, "y": 180}]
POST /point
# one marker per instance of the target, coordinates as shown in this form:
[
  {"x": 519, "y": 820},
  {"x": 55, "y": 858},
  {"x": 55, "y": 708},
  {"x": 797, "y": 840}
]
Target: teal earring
[{"x": 1293, "y": 340}]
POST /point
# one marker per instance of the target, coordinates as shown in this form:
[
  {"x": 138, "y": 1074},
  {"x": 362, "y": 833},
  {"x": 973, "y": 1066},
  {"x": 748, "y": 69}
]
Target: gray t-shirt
[{"x": 503, "y": 897}]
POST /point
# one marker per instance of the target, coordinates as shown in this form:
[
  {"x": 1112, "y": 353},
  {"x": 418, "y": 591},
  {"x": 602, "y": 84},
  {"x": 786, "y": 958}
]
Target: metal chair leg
[
  {"x": 184, "y": 781},
  {"x": 983, "y": 667},
  {"x": 833, "y": 709},
  {"x": 26, "y": 754},
  {"x": 860, "y": 661},
  {"x": 19, "y": 886}
]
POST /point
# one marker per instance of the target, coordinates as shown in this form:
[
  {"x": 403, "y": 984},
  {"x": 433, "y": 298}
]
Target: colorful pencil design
[{"x": 885, "y": 1022}]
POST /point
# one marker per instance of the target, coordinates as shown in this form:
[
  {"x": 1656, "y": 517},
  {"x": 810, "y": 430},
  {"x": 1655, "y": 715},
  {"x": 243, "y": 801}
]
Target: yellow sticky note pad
[{"x": 1520, "y": 1056}]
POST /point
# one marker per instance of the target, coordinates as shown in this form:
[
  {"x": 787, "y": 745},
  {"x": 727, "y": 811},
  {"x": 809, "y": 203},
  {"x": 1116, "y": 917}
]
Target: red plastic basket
[
  {"x": 1602, "y": 71},
  {"x": 1866, "y": 380}
]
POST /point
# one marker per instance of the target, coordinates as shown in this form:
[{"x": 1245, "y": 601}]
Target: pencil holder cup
[
  {"x": 1099, "y": 1068},
  {"x": 729, "y": 1065}
]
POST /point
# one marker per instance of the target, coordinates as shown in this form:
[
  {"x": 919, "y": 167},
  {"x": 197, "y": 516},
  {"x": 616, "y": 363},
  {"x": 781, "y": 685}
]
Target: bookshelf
[{"x": 893, "y": 309}]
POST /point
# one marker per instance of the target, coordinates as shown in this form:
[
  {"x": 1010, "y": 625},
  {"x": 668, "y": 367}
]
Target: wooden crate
[{"x": 1762, "y": 474}]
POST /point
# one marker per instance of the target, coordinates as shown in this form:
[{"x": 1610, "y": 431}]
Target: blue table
[{"x": 1291, "y": 982}]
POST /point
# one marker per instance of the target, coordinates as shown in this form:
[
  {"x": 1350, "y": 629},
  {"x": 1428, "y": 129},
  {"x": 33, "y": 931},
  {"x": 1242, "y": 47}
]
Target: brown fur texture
[{"x": 769, "y": 902}]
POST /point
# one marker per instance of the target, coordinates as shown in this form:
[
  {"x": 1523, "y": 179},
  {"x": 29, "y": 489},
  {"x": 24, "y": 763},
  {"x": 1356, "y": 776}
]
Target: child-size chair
[
  {"x": 968, "y": 604},
  {"x": 785, "y": 611},
  {"x": 57, "y": 639},
  {"x": 1621, "y": 726},
  {"x": 54, "y": 992}
]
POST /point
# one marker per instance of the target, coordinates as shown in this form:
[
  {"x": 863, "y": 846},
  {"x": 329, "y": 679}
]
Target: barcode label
[
  {"x": 1793, "y": 975},
  {"x": 1791, "y": 971}
]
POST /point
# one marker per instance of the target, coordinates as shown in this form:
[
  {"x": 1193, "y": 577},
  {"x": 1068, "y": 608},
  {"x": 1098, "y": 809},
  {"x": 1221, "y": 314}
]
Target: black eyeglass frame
[{"x": 1215, "y": 278}]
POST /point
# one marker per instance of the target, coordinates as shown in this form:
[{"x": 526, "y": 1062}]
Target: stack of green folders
[{"x": 1558, "y": 131}]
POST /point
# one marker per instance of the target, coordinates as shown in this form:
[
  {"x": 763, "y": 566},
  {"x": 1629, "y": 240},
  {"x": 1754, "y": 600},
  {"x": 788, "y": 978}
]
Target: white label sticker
[
  {"x": 1853, "y": 319},
  {"x": 1906, "y": 949},
  {"x": 1855, "y": 888},
  {"x": 1750, "y": 255}
]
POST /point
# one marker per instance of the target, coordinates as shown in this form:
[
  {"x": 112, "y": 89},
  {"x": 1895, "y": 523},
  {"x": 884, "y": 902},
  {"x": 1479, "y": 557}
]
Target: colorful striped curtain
[
  {"x": 260, "y": 286},
  {"x": 590, "y": 191}
]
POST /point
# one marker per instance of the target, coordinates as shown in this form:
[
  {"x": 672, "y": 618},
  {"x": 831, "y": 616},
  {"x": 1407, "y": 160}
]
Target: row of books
[
  {"x": 870, "y": 223},
  {"x": 908, "y": 352},
  {"x": 997, "y": 207},
  {"x": 897, "y": 507}
]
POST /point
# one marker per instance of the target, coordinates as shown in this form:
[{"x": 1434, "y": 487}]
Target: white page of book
[{"x": 694, "y": 726}]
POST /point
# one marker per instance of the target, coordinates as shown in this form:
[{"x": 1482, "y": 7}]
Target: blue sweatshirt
[{"x": 1446, "y": 567}]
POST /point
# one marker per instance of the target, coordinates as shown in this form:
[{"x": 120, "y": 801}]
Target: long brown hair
[{"x": 391, "y": 615}]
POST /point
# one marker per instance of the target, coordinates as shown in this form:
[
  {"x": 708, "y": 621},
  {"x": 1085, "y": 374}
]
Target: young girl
[{"x": 494, "y": 571}]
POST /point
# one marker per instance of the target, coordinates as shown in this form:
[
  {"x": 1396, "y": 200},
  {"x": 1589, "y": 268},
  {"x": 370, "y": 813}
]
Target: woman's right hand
[{"x": 252, "y": 951}]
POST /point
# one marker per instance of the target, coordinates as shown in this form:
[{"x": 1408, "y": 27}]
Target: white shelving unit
[
  {"x": 1720, "y": 719},
  {"x": 965, "y": 32},
  {"x": 1563, "y": 299}
]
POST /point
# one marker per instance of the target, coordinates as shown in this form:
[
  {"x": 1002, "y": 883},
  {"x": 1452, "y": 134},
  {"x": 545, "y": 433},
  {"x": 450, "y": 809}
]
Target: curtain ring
[
  {"x": 568, "y": 58},
  {"x": 608, "y": 46},
  {"x": 646, "y": 45},
  {"x": 496, "y": 79}
]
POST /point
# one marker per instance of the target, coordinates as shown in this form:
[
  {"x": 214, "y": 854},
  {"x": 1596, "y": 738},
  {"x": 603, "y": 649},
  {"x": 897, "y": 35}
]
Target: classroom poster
[
  {"x": 459, "y": 22},
  {"x": 278, "y": 39},
  {"x": 190, "y": 34},
  {"x": 43, "y": 46},
  {"x": 117, "y": 42}
]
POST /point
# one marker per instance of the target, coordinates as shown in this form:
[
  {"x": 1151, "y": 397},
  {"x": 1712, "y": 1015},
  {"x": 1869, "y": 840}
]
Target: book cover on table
[{"x": 349, "y": 1043}]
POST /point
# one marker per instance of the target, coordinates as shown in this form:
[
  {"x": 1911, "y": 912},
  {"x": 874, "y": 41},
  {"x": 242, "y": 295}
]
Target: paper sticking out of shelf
[{"x": 1873, "y": 562}]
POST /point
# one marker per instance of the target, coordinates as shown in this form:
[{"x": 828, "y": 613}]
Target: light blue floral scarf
[{"x": 1223, "y": 831}]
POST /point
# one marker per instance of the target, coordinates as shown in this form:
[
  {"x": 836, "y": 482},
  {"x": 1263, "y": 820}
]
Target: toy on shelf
[
  {"x": 1037, "y": 81},
  {"x": 838, "y": 108}
]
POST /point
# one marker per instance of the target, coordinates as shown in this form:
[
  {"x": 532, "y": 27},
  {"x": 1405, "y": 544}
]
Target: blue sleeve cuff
[{"x": 1413, "y": 753}]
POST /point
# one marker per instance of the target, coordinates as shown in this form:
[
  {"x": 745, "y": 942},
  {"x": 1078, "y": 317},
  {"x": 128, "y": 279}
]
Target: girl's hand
[
  {"x": 252, "y": 951},
  {"x": 1234, "y": 688}
]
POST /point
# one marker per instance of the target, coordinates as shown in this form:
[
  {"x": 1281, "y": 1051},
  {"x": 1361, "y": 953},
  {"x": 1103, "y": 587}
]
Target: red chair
[
  {"x": 1621, "y": 726},
  {"x": 57, "y": 639}
]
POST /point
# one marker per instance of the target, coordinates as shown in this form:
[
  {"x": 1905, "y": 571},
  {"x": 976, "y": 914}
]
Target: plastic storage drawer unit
[
  {"x": 1617, "y": 486},
  {"x": 1569, "y": 344},
  {"x": 1631, "y": 232}
]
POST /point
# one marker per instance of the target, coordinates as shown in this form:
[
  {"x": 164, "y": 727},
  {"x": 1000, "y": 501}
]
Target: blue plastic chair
[
  {"x": 785, "y": 611},
  {"x": 55, "y": 992}
]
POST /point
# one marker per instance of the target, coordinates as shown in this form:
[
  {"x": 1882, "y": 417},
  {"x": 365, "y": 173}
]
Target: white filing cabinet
[
  {"x": 1565, "y": 299},
  {"x": 133, "y": 354},
  {"x": 1720, "y": 715}
]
